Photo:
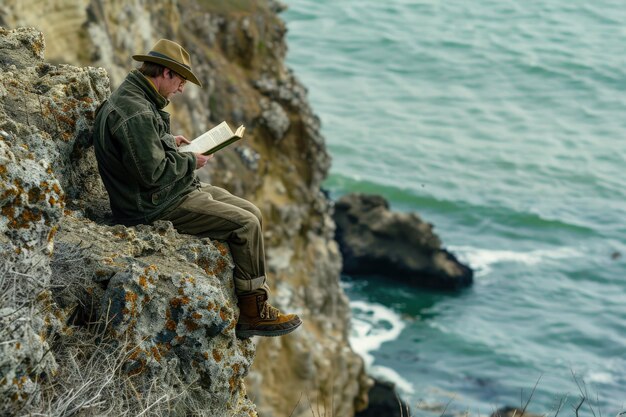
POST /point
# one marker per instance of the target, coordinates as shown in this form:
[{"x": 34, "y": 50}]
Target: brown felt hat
[{"x": 170, "y": 55}]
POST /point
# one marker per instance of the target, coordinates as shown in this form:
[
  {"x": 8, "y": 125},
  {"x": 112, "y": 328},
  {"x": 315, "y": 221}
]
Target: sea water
[{"x": 503, "y": 123}]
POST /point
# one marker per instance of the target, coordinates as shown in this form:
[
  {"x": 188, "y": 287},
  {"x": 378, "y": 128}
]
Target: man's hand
[
  {"x": 181, "y": 139},
  {"x": 201, "y": 160}
]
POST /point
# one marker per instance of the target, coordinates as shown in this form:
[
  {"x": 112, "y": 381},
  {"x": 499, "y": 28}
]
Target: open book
[{"x": 213, "y": 140}]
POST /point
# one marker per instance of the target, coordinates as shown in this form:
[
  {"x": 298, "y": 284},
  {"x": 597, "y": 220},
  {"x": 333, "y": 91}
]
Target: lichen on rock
[
  {"x": 238, "y": 50},
  {"x": 156, "y": 306}
]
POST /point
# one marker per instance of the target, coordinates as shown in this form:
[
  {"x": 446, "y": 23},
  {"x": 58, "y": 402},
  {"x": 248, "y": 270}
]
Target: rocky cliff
[{"x": 157, "y": 305}]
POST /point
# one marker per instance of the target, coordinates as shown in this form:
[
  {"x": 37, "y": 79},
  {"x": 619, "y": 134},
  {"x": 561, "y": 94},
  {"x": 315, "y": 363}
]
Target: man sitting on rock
[{"x": 148, "y": 179}]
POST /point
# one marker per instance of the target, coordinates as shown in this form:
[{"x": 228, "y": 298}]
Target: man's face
[{"x": 173, "y": 83}]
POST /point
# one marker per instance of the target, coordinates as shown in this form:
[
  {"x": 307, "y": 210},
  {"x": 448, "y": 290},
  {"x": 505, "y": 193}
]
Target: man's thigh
[
  {"x": 224, "y": 196},
  {"x": 201, "y": 214}
]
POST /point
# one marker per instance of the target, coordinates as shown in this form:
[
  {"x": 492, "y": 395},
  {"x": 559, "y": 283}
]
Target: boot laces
[{"x": 268, "y": 311}]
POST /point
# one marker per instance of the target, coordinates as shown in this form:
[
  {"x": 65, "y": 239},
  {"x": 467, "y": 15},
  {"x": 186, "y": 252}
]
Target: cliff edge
[{"x": 98, "y": 316}]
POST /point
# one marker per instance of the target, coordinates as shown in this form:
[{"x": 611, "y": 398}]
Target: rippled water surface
[{"x": 504, "y": 124}]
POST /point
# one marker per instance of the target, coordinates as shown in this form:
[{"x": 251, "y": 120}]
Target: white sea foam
[
  {"x": 373, "y": 325},
  {"x": 600, "y": 377},
  {"x": 481, "y": 260}
]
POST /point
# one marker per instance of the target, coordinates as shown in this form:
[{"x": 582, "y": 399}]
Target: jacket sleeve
[{"x": 149, "y": 157}]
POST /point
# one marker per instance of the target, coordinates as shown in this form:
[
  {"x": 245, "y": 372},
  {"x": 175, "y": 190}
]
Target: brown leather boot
[{"x": 258, "y": 318}]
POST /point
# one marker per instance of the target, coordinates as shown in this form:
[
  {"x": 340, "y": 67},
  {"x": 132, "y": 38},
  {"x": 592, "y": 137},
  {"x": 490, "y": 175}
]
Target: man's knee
[
  {"x": 252, "y": 223},
  {"x": 257, "y": 213}
]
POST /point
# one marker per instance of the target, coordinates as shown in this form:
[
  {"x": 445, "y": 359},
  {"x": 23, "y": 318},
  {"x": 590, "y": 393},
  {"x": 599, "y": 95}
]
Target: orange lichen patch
[
  {"x": 65, "y": 119},
  {"x": 139, "y": 369},
  {"x": 233, "y": 379},
  {"x": 131, "y": 298},
  {"x": 231, "y": 326},
  {"x": 29, "y": 216},
  {"x": 34, "y": 194},
  {"x": 8, "y": 212},
  {"x": 38, "y": 46},
  {"x": 217, "y": 355},
  {"x": 196, "y": 315},
  {"x": 18, "y": 346},
  {"x": 150, "y": 268},
  {"x": 179, "y": 301},
  {"x": 223, "y": 314},
  {"x": 11, "y": 192},
  {"x": 204, "y": 264},
  {"x": 24, "y": 220},
  {"x": 170, "y": 325},
  {"x": 143, "y": 282},
  {"x": 135, "y": 354},
  {"x": 191, "y": 325},
  {"x": 156, "y": 353},
  {"x": 3, "y": 169},
  {"x": 221, "y": 247},
  {"x": 181, "y": 291},
  {"x": 211, "y": 307},
  {"x": 212, "y": 268}
]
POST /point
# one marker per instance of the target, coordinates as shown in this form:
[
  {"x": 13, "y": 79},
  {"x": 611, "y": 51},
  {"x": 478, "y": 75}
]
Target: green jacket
[{"x": 139, "y": 163}]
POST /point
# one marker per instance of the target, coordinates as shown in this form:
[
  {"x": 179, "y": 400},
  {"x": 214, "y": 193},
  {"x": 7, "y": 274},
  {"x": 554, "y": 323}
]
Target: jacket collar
[{"x": 137, "y": 78}]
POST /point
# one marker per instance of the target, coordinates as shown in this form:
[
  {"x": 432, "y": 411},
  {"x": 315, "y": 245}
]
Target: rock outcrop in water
[
  {"x": 139, "y": 318},
  {"x": 376, "y": 241}
]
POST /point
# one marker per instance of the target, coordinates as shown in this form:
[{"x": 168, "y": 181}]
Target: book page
[{"x": 209, "y": 139}]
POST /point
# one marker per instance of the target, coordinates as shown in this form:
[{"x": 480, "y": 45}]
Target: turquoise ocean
[{"x": 503, "y": 123}]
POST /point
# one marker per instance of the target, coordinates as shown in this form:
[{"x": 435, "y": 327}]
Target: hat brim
[{"x": 171, "y": 64}]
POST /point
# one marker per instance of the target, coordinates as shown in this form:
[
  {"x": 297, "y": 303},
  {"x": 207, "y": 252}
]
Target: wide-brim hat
[{"x": 170, "y": 55}]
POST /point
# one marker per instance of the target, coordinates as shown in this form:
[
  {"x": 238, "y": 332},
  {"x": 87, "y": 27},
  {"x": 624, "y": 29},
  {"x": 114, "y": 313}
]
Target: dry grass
[{"x": 90, "y": 379}]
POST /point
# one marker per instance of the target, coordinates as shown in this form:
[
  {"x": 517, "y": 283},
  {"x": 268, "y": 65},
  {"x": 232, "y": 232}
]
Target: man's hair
[{"x": 150, "y": 69}]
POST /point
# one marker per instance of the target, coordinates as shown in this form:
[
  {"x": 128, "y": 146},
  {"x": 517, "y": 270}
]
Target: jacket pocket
[
  {"x": 169, "y": 142},
  {"x": 160, "y": 196}
]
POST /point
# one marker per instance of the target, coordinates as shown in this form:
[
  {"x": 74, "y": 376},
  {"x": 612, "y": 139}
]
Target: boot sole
[{"x": 246, "y": 334}]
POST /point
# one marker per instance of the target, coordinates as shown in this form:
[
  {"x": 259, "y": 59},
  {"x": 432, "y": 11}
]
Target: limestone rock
[
  {"x": 102, "y": 308},
  {"x": 233, "y": 45},
  {"x": 376, "y": 241},
  {"x": 170, "y": 299}
]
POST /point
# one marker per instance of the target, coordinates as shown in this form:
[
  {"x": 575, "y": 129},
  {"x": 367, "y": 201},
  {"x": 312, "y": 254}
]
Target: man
[{"x": 148, "y": 179}]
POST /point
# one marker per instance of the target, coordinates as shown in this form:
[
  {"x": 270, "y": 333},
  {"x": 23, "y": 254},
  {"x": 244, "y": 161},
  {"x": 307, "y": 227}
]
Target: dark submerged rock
[
  {"x": 377, "y": 241},
  {"x": 384, "y": 401}
]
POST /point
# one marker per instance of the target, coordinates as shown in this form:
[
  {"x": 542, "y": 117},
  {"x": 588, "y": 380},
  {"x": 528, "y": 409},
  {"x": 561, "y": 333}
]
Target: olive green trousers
[{"x": 215, "y": 213}]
